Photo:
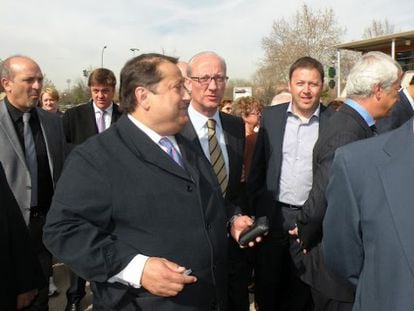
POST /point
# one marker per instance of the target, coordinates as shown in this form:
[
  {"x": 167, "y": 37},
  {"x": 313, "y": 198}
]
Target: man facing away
[
  {"x": 138, "y": 210},
  {"x": 372, "y": 87},
  {"x": 279, "y": 183},
  {"x": 212, "y": 130},
  {"x": 371, "y": 193},
  {"x": 32, "y": 152}
]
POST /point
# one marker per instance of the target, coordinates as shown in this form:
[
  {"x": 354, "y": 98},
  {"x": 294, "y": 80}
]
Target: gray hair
[
  {"x": 373, "y": 68},
  {"x": 205, "y": 53}
]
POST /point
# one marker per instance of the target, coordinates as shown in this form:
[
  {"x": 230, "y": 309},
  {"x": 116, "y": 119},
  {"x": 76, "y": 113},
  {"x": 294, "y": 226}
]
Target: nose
[
  {"x": 212, "y": 85},
  {"x": 37, "y": 85}
]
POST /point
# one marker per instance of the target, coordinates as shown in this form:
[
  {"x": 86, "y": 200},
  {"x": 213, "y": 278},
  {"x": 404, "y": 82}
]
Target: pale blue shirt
[
  {"x": 132, "y": 273},
  {"x": 296, "y": 169},
  {"x": 361, "y": 111},
  {"x": 199, "y": 122}
]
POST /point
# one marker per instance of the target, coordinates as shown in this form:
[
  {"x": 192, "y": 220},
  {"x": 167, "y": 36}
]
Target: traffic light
[{"x": 331, "y": 72}]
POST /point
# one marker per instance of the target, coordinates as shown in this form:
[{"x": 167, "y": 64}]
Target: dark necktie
[
  {"x": 100, "y": 122},
  {"x": 31, "y": 157},
  {"x": 216, "y": 156},
  {"x": 172, "y": 152}
]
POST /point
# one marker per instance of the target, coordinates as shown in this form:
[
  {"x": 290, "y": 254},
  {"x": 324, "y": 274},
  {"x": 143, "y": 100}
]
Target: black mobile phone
[{"x": 259, "y": 227}]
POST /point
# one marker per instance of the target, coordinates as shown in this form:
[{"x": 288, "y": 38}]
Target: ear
[
  {"x": 6, "y": 84},
  {"x": 377, "y": 91},
  {"x": 141, "y": 95}
]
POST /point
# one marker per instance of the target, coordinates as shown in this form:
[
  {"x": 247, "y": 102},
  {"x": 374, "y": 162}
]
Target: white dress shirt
[
  {"x": 199, "y": 122},
  {"x": 107, "y": 116}
]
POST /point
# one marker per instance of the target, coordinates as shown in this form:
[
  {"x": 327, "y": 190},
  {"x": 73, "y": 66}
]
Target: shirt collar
[
  {"x": 314, "y": 115},
  {"x": 361, "y": 111},
  {"x": 199, "y": 120},
  {"x": 17, "y": 114},
  {"x": 108, "y": 110},
  {"x": 154, "y": 136}
]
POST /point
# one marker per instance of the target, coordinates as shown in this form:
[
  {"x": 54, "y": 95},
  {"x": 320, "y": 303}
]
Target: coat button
[{"x": 189, "y": 188}]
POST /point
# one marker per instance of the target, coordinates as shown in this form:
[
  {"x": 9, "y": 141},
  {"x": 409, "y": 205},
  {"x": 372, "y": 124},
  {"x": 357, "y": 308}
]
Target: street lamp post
[
  {"x": 133, "y": 50},
  {"x": 103, "y": 49}
]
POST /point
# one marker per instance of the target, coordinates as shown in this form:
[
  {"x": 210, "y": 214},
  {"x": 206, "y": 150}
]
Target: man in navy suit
[
  {"x": 279, "y": 183},
  {"x": 138, "y": 210},
  {"x": 368, "y": 226},
  {"x": 401, "y": 112},
  {"x": 79, "y": 124}
]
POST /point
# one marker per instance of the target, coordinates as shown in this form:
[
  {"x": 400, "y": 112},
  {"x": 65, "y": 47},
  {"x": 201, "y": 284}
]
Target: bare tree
[
  {"x": 378, "y": 28},
  {"x": 307, "y": 33}
]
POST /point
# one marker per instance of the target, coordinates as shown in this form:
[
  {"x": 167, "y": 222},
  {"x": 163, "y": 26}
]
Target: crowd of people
[{"x": 146, "y": 198}]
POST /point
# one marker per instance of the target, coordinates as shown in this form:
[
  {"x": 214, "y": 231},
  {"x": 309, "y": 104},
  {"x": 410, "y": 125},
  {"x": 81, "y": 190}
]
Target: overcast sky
[{"x": 65, "y": 37}]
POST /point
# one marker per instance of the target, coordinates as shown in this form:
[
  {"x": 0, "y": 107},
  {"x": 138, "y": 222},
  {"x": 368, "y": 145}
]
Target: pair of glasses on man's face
[{"x": 205, "y": 80}]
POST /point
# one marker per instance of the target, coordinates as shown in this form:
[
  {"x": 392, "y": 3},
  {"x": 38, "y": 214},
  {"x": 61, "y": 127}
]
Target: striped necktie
[{"x": 216, "y": 156}]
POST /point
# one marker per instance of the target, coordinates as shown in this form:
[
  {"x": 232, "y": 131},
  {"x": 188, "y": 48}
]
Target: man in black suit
[
  {"x": 401, "y": 112},
  {"x": 79, "y": 124},
  {"x": 372, "y": 87},
  {"x": 84, "y": 121},
  {"x": 138, "y": 210},
  {"x": 279, "y": 183},
  {"x": 207, "y": 78},
  {"x": 22, "y": 275},
  {"x": 32, "y": 152}
]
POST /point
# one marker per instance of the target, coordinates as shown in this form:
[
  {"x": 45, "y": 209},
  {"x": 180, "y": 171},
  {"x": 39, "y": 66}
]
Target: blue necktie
[{"x": 172, "y": 152}]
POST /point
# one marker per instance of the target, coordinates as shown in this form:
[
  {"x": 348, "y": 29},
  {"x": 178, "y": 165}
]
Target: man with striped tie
[{"x": 220, "y": 137}]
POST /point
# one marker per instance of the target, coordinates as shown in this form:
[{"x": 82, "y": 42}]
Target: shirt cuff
[{"x": 132, "y": 273}]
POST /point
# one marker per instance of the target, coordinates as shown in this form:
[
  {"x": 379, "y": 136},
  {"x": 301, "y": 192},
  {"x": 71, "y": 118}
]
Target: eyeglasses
[{"x": 207, "y": 79}]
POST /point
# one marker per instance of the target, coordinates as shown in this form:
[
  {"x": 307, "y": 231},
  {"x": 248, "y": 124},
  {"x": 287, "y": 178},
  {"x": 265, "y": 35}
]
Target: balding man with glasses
[{"x": 221, "y": 138}]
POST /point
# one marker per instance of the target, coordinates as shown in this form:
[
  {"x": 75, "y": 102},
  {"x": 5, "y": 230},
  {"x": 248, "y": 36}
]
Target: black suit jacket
[
  {"x": 234, "y": 132},
  {"x": 264, "y": 178},
  {"x": 400, "y": 113},
  {"x": 79, "y": 123},
  {"x": 344, "y": 127},
  {"x": 121, "y": 195},
  {"x": 20, "y": 268}
]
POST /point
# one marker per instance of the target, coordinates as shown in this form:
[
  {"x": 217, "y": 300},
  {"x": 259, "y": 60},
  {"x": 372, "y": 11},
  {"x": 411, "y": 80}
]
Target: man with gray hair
[{"x": 372, "y": 90}]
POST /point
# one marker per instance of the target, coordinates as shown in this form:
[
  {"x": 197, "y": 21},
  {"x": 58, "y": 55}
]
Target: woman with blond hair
[{"x": 49, "y": 100}]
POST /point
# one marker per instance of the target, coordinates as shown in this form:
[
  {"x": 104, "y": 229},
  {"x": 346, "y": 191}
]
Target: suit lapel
[
  {"x": 115, "y": 113},
  {"x": 7, "y": 125},
  {"x": 232, "y": 145},
  {"x": 189, "y": 132},
  {"x": 144, "y": 148},
  {"x": 397, "y": 174},
  {"x": 90, "y": 120}
]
